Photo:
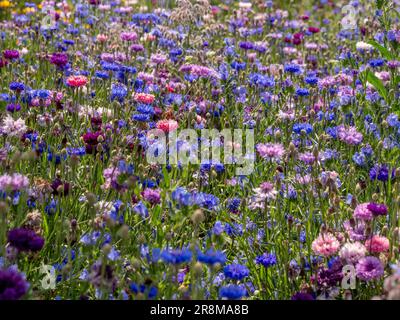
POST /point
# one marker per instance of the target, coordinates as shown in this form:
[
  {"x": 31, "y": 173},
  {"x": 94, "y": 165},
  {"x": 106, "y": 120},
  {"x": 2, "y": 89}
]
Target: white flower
[
  {"x": 364, "y": 46},
  {"x": 13, "y": 128}
]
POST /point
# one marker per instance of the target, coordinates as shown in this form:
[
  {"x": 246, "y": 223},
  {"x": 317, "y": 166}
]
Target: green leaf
[
  {"x": 377, "y": 84},
  {"x": 379, "y": 3},
  {"x": 384, "y": 51}
]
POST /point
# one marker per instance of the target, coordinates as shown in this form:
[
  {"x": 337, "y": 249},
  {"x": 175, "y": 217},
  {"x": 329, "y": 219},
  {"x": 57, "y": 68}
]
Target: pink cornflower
[
  {"x": 377, "y": 244},
  {"x": 128, "y": 36},
  {"x": 167, "y": 125},
  {"x": 325, "y": 245},
  {"x": 266, "y": 191},
  {"x": 270, "y": 150},
  {"x": 307, "y": 157},
  {"x": 144, "y": 98},
  {"x": 352, "y": 252},
  {"x": 101, "y": 38},
  {"x": 362, "y": 212},
  {"x": 14, "y": 182},
  {"x": 77, "y": 81},
  {"x": 158, "y": 58},
  {"x": 145, "y": 76},
  {"x": 286, "y": 115},
  {"x": 349, "y": 135},
  {"x": 199, "y": 71}
]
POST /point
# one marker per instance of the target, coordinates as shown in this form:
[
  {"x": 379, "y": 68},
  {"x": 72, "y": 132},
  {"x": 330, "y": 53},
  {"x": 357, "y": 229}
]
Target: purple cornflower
[
  {"x": 128, "y": 36},
  {"x": 302, "y": 296},
  {"x": 137, "y": 47},
  {"x": 158, "y": 58},
  {"x": 25, "y": 240},
  {"x": 369, "y": 268},
  {"x": 307, "y": 157},
  {"x": 59, "y": 59},
  {"x": 377, "y": 209},
  {"x": 13, "y": 284},
  {"x": 363, "y": 212},
  {"x": 151, "y": 195},
  {"x": 11, "y": 54}
]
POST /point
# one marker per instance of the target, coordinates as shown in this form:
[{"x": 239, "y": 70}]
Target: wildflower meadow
[{"x": 199, "y": 149}]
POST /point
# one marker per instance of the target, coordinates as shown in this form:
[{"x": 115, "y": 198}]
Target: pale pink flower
[
  {"x": 11, "y": 127},
  {"x": 362, "y": 212},
  {"x": 270, "y": 150},
  {"x": 352, "y": 252},
  {"x": 377, "y": 244},
  {"x": 325, "y": 245}
]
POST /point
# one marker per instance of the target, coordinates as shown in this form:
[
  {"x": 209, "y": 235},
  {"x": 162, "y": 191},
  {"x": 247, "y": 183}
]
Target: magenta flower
[
  {"x": 272, "y": 151},
  {"x": 349, "y": 135}
]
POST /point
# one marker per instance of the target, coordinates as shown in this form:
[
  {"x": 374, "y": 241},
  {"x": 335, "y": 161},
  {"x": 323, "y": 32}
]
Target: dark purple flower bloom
[
  {"x": 329, "y": 277},
  {"x": 12, "y": 284},
  {"x": 58, "y": 183},
  {"x": 13, "y": 107},
  {"x": 302, "y": 296},
  {"x": 59, "y": 59},
  {"x": 11, "y": 54},
  {"x": 25, "y": 240},
  {"x": 380, "y": 172},
  {"x": 377, "y": 209}
]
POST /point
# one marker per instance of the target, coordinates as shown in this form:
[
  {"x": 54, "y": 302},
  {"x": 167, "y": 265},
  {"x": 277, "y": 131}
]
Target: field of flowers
[{"x": 84, "y": 215}]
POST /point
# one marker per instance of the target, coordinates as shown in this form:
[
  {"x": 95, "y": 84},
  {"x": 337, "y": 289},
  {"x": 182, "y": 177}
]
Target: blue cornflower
[
  {"x": 206, "y": 200},
  {"x": 141, "y": 209},
  {"x": 359, "y": 159},
  {"x": 176, "y": 256},
  {"x": 302, "y": 92},
  {"x": 238, "y": 65},
  {"x": 236, "y": 271},
  {"x": 118, "y": 92},
  {"x": 141, "y": 117},
  {"x": 232, "y": 292},
  {"x": 299, "y": 127},
  {"x": 292, "y": 68},
  {"x": 380, "y": 172},
  {"x": 233, "y": 204},
  {"x": 311, "y": 80},
  {"x": 17, "y": 86},
  {"x": 376, "y": 63},
  {"x": 234, "y": 229},
  {"x": 101, "y": 74},
  {"x": 145, "y": 108},
  {"x": 261, "y": 80},
  {"x": 393, "y": 120},
  {"x": 266, "y": 259},
  {"x": 218, "y": 228},
  {"x": 211, "y": 257},
  {"x": 246, "y": 45}
]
